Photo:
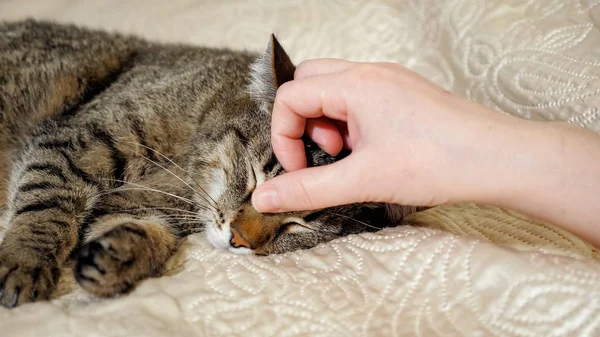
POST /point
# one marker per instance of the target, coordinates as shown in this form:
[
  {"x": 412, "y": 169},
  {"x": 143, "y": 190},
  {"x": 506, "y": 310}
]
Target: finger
[
  {"x": 310, "y": 189},
  {"x": 326, "y": 134},
  {"x": 297, "y": 100},
  {"x": 343, "y": 130},
  {"x": 321, "y": 66},
  {"x": 287, "y": 129}
]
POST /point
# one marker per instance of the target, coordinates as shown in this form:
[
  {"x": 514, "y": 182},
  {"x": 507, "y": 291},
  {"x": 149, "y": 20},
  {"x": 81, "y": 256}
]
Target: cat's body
[{"x": 115, "y": 149}]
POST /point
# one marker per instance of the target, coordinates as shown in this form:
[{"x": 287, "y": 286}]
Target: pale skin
[{"x": 413, "y": 143}]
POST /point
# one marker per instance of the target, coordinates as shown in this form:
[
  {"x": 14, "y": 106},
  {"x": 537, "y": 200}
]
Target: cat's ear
[{"x": 272, "y": 69}]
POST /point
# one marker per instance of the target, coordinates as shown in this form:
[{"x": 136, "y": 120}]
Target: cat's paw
[
  {"x": 113, "y": 263},
  {"x": 25, "y": 278}
]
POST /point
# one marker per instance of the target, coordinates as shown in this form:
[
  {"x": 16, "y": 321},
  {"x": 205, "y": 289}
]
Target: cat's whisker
[
  {"x": 143, "y": 187},
  {"x": 184, "y": 221},
  {"x": 189, "y": 231},
  {"x": 180, "y": 218},
  {"x": 160, "y": 208},
  {"x": 146, "y": 188},
  {"x": 179, "y": 167},
  {"x": 196, "y": 223},
  {"x": 181, "y": 215},
  {"x": 161, "y": 166},
  {"x": 199, "y": 203},
  {"x": 172, "y": 173},
  {"x": 191, "y": 223},
  {"x": 351, "y": 218}
]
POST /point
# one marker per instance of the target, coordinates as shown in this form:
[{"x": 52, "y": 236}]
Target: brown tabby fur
[{"x": 115, "y": 149}]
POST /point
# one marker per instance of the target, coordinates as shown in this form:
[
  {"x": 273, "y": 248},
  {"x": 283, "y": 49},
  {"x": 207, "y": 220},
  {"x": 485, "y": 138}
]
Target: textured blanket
[{"x": 467, "y": 270}]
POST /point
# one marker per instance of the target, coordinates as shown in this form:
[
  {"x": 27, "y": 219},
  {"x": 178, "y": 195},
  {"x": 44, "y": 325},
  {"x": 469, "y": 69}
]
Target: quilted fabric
[{"x": 466, "y": 271}]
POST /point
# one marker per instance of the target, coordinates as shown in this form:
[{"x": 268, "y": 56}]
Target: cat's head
[{"x": 231, "y": 158}]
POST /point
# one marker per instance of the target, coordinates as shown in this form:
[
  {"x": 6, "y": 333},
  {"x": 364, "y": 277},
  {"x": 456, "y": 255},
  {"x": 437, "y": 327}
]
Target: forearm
[{"x": 550, "y": 171}]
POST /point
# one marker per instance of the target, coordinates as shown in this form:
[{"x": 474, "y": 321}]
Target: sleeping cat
[{"x": 115, "y": 149}]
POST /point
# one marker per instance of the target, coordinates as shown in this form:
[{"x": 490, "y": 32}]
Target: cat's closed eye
[{"x": 293, "y": 227}]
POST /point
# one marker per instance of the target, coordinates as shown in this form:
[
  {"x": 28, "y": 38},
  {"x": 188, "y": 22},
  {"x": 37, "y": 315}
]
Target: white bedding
[{"x": 503, "y": 275}]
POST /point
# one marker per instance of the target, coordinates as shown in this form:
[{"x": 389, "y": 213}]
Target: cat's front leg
[
  {"x": 26, "y": 274},
  {"x": 49, "y": 199},
  {"x": 123, "y": 251},
  {"x": 36, "y": 245}
]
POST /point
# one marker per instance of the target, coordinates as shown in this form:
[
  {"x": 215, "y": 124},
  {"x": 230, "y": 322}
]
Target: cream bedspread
[{"x": 476, "y": 271}]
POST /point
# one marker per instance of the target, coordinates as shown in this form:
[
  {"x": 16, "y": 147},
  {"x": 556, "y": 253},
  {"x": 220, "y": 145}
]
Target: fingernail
[{"x": 266, "y": 199}]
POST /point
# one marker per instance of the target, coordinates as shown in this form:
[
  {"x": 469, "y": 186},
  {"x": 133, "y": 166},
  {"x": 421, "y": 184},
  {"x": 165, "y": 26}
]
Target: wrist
[
  {"x": 548, "y": 170},
  {"x": 556, "y": 178},
  {"x": 528, "y": 164},
  {"x": 509, "y": 159}
]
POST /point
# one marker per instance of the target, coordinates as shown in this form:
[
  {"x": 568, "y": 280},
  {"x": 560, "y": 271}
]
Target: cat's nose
[{"x": 237, "y": 239}]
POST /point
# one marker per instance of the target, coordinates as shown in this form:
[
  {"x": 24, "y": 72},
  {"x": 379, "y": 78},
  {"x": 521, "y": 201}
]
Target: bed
[{"x": 460, "y": 270}]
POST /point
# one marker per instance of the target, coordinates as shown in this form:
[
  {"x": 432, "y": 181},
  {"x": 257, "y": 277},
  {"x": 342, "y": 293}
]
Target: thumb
[{"x": 310, "y": 188}]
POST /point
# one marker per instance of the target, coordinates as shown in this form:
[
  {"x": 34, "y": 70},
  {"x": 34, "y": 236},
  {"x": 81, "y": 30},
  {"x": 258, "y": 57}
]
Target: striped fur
[{"x": 115, "y": 149}]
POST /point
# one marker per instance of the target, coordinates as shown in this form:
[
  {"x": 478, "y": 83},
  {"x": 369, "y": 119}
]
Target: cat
[{"x": 116, "y": 148}]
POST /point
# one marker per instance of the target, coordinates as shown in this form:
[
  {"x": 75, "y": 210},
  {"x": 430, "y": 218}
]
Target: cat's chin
[{"x": 221, "y": 239}]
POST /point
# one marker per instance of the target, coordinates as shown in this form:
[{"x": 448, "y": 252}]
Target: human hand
[{"x": 412, "y": 142}]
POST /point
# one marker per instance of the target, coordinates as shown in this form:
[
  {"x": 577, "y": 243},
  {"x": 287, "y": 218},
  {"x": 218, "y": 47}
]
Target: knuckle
[
  {"x": 303, "y": 196},
  {"x": 283, "y": 88},
  {"x": 282, "y": 93},
  {"x": 277, "y": 142},
  {"x": 369, "y": 72},
  {"x": 302, "y": 68}
]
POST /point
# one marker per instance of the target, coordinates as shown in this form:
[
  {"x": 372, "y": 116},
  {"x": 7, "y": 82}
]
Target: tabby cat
[{"x": 115, "y": 149}]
